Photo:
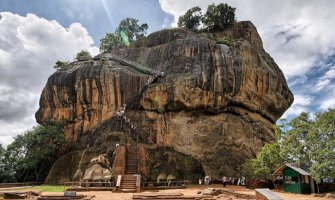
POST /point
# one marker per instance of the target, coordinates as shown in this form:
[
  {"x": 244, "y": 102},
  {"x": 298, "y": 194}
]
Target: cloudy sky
[{"x": 34, "y": 34}]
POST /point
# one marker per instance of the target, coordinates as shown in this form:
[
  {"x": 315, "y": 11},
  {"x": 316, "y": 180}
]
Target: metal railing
[
  {"x": 9, "y": 185},
  {"x": 87, "y": 185},
  {"x": 165, "y": 184}
]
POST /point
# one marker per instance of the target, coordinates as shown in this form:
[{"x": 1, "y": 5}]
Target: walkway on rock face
[{"x": 134, "y": 65}]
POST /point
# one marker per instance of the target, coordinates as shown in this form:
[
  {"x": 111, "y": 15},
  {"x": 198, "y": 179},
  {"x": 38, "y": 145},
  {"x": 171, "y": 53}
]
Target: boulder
[{"x": 212, "y": 96}]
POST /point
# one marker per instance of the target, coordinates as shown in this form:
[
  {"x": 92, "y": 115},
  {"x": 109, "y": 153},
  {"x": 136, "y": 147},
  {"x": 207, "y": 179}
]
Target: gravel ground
[{"x": 191, "y": 190}]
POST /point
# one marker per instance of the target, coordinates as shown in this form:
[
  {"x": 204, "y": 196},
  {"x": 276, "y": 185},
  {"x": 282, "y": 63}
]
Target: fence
[
  {"x": 90, "y": 185},
  {"x": 9, "y": 185},
  {"x": 164, "y": 184}
]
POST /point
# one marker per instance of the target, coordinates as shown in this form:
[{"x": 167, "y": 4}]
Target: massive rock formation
[{"x": 217, "y": 102}]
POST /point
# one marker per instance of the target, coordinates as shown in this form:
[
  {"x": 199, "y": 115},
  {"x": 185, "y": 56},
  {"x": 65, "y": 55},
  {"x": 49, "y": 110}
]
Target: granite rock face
[{"x": 217, "y": 102}]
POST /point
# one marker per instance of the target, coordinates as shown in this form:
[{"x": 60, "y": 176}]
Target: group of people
[{"x": 233, "y": 181}]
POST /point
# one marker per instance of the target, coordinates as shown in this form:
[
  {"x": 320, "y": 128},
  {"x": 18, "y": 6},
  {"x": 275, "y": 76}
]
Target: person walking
[{"x": 224, "y": 181}]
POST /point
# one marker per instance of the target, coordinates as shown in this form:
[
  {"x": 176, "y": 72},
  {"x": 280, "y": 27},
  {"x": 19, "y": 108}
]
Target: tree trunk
[{"x": 41, "y": 167}]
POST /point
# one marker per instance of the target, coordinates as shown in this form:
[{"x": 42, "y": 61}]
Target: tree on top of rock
[
  {"x": 110, "y": 41},
  {"x": 218, "y": 17},
  {"x": 61, "y": 64},
  {"x": 128, "y": 31},
  {"x": 83, "y": 55},
  {"x": 133, "y": 30},
  {"x": 191, "y": 19}
]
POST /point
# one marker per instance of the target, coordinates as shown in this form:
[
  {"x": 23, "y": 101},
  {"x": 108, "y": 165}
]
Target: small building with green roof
[{"x": 295, "y": 179}]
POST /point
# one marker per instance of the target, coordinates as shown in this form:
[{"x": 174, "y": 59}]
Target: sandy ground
[{"x": 191, "y": 190}]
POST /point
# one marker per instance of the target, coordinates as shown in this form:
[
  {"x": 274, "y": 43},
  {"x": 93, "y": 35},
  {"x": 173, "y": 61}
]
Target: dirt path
[{"x": 193, "y": 189}]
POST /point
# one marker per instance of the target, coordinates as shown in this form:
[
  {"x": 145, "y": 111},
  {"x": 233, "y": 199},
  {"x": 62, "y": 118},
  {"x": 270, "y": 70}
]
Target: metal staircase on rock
[
  {"x": 128, "y": 181},
  {"x": 129, "y": 178}
]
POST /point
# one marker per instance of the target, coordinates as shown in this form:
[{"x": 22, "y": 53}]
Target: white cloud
[
  {"x": 300, "y": 104},
  {"x": 326, "y": 80},
  {"x": 29, "y": 47},
  {"x": 302, "y": 100},
  {"x": 328, "y": 98},
  {"x": 322, "y": 83},
  {"x": 295, "y": 33},
  {"x": 330, "y": 74},
  {"x": 329, "y": 103},
  {"x": 294, "y": 111}
]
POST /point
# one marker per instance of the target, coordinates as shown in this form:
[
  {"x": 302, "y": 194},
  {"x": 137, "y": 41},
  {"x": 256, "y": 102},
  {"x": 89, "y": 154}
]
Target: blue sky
[
  {"x": 97, "y": 16},
  {"x": 34, "y": 34}
]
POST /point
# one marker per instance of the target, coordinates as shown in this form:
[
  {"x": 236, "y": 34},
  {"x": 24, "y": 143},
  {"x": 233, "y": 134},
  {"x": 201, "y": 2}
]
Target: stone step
[
  {"x": 131, "y": 172},
  {"x": 131, "y": 163},
  {"x": 128, "y": 176},
  {"x": 128, "y": 190},
  {"x": 128, "y": 179},
  {"x": 128, "y": 185}
]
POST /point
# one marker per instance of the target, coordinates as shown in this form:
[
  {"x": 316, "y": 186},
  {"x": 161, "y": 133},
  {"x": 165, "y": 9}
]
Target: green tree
[
  {"x": 304, "y": 141},
  {"x": 191, "y": 19},
  {"x": 83, "y": 55},
  {"x": 133, "y": 30},
  {"x": 218, "y": 17},
  {"x": 61, "y": 64},
  {"x": 295, "y": 141},
  {"x": 110, "y": 41},
  {"x": 31, "y": 155},
  {"x": 321, "y": 145},
  {"x": 128, "y": 31},
  {"x": 267, "y": 160}
]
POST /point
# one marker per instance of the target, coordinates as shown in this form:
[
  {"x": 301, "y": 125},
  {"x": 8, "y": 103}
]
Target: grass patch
[
  {"x": 50, "y": 188},
  {"x": 226, "y": 41}
]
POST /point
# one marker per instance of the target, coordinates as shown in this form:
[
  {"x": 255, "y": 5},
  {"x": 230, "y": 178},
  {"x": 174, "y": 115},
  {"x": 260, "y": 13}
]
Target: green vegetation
[
  {"x": 128, "y": 31},
  {"x": 31, "y": 155},
  {"x": 110, "y": 41},
  {"x": 226, "y": 41},
  {"x": 83, "y": 55},
  {"x": 61, "y": 64},
  {"x": 304, "y": 141},
  {"x": 50, "y": 188},
  {"x": 216, "y": 18},
  {"x": 133, "y": 30},
  {"x": 191, "y": 19}
]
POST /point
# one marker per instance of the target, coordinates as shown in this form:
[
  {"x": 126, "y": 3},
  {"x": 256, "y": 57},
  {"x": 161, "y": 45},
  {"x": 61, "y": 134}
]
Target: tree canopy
[
  {"x": 191, "y": 19},
  {"x": 133, "y": 30},
  {"x": 83, "y": 55},
  {"x": 30, "y": 156},
  {"x": 216, "y": 18},
  {"x": 110, "y": 41},
  {"x": 61, "y": 64},
  {"x": 305, "y": 141},
  {"x": 128, "y": 31}
]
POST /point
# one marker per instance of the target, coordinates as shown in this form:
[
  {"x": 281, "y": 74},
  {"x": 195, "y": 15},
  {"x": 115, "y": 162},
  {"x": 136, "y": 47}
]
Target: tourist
[
  {"x": 200, "y": 181},
  {"x": 239, "y": 181},
  {"x": 243, "y": 181},
  {"x": 207, "y": 180},
  {"x": 224, "y": 181}
]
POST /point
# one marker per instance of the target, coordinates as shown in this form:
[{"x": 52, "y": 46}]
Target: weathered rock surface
[{"x": 218, "y": 100}]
